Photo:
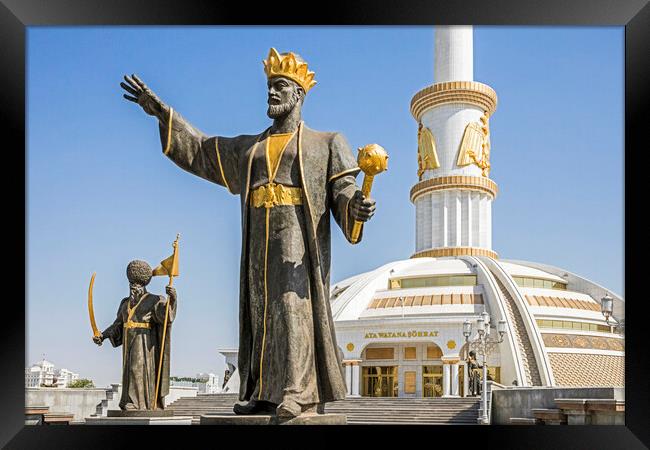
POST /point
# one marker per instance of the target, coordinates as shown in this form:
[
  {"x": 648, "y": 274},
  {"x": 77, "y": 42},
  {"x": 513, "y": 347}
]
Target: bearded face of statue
[
  {"x": 136, "y": 290},
  {"x": 284, "y": 96}
]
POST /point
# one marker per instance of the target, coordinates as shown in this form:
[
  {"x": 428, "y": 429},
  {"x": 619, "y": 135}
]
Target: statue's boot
[
  {"x": 288, "y": 410},
  {"x": 253, "y": 407}
]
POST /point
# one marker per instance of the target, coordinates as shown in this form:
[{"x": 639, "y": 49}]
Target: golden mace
[{"x": 372, "y": 160}]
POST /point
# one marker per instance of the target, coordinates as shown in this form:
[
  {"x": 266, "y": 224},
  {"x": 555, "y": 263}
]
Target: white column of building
[
  {"x": 451, "y": 192},
  {"x": 445, "y": 379},
  {"x": 355, "y": 379},
  {"x": 348, "y": 377},
  {"x": 454, "y": 379}
]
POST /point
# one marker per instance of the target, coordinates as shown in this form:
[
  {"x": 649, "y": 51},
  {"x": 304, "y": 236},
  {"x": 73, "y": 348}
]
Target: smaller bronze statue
[
  {"x": 226, "y": 378},
  {"x": 142, "y": 327},
  {"x": 474, "y": 373}
]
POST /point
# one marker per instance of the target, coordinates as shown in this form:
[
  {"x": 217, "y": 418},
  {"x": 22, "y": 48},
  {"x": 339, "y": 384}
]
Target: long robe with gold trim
[
  {"x": 141, "y": 348},
  {"x": 287, "y": 344}
]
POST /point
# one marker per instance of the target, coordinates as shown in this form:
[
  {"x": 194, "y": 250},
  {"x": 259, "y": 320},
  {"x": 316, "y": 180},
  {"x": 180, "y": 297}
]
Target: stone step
[
  {"x": 195, "y": 412},
  {"x": 370, "y": 405},
  {"x": 359, "y": 410},
  {"x": 341, "y": 407},
  {"x": 348, "y": 411},
  {"x": 357, "y": 399},
  {"x": 393, "y": 421}
]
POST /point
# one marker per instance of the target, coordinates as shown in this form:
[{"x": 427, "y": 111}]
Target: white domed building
[{"x": 400, "y": 326}]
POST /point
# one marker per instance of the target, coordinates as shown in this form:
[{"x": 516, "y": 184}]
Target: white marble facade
[{"x": 362, "y": 335}]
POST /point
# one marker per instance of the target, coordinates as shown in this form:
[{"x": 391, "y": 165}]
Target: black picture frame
[{"x": 634, "y": 15}]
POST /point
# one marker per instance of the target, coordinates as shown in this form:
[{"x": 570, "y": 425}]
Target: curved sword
[{"x": 91, "y": 313}]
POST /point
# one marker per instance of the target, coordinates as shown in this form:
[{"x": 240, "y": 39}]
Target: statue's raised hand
[{"x": 139, "y": 93}]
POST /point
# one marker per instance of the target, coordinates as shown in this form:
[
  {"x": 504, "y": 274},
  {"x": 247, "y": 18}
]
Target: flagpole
[{"x": 162, "y": 345}]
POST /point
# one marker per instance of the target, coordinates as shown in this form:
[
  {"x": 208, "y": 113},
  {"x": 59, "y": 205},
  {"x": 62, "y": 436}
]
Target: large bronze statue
[
  {"x": 289, "y": 177},
  {"x": 143, "y": 328}
]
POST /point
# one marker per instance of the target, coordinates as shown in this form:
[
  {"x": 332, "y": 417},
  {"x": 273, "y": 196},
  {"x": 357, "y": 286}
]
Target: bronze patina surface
[
  {"x": 143, "y": 328},
  {"x": 289, "y": 178}
]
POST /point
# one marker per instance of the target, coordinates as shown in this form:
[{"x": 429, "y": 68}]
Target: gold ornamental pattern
[
  {"x": 584, "y": 369},
  {"x": 427, "y": 155},
  {"x": 467, "y": 182},
  {"x": 582, "y": 342},
  {"x": 470, "y": 92},
  {"x": 475, "y": 146},
  {"x": 455, "y": 251}
]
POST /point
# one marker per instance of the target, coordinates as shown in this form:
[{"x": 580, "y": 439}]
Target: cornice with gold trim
[
  {"x": 471, "y": 92},
  {"x": 455, "y": 251},
  {"x": 451, "y": 361},
  {"x": 482, "y": 184}
]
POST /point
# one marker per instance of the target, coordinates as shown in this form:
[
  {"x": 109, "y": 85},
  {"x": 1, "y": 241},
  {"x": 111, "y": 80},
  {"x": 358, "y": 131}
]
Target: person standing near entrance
[{"x": 474, "y": 374}]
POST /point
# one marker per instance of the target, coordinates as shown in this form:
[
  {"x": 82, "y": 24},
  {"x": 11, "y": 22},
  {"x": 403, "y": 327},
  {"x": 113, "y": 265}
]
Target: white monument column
[
  {"x": 453, "y": 54},
  {"x": 454, "y": 379},
  {"x": 453, "y": 196}
]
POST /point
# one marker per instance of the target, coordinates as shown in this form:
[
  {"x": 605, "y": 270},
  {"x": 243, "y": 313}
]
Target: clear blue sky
[{"x": 100, "y": 193}]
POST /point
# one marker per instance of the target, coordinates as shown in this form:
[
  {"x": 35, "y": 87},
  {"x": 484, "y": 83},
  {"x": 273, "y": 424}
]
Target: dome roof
[{"x": 351, "y": 297}]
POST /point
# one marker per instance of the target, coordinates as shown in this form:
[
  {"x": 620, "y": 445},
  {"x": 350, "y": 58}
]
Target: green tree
[{"x": 82, "y": 383}]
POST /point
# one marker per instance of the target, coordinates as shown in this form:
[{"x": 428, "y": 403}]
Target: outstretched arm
[{"x": 210, "y": 158}]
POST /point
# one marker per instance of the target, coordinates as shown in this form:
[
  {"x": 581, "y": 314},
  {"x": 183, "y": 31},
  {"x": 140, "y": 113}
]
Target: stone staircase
[
  {"x": 360, "y": 410},
  {"x": 408, "y": 411},
  {"x": 111, "y": 401},
  {"x": 521, "y": 336}
]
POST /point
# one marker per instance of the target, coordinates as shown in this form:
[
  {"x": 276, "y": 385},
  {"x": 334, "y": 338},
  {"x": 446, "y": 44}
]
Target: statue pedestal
[
  {"x": 137, "y": 417},
  {"x": 262, "y": 419},
  {"x": 140, "y": 413}
]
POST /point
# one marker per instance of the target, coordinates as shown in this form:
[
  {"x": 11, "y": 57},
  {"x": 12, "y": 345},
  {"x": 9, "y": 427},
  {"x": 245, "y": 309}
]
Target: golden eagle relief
[
  {"x": 427, "y": 156},
  {"x": 475, "y": 145}
]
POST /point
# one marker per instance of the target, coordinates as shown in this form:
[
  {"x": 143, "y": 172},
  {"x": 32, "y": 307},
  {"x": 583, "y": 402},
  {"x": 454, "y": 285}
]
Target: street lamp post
[
  {"x": 484, "y": 345},
  {"x": 607, "y": 309}
]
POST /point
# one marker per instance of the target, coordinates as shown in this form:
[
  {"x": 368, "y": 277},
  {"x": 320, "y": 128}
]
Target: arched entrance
[
  {"x": 432, "y": 372},
  {"x": 379, "y": 371}
]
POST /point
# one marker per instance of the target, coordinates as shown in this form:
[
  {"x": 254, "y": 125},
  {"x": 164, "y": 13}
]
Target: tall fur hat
[{"x": 139, "y": 272}]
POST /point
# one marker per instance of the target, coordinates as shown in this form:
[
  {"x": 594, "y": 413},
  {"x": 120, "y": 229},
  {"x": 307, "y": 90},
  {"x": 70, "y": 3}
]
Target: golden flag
[{"x": 169, "y": 265}]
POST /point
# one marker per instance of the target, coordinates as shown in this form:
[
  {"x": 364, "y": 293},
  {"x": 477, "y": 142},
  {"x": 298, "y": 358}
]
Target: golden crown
[{"x": 277, "y": 65}]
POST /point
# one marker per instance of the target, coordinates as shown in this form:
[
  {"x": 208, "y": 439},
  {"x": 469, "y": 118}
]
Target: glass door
[
  {"x": 432, "y": 381},
  {"x": 380, "y": 381}
]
